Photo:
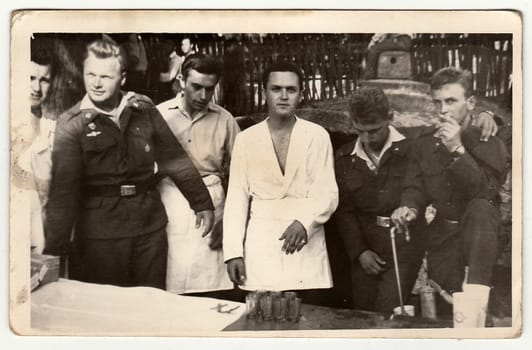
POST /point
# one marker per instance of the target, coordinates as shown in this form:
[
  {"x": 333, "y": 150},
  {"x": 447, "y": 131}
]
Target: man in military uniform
[
  {"x": 106, "y": 153},
  {"x": 461, "y": 177},
  {"x": 369, "y": 172}
]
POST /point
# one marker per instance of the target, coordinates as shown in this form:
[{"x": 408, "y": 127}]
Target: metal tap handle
[{"x": 394, "y": 230}]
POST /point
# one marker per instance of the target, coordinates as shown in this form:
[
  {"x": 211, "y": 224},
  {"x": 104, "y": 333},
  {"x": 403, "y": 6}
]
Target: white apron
[
  {"x": 192, "y": 266},
  {"x": 267, "y": 266}
]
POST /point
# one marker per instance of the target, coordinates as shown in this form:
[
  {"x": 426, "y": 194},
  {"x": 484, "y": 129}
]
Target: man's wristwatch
[
  {"x": 458, "y": 151},
  {"x": 488, "y": 112}
]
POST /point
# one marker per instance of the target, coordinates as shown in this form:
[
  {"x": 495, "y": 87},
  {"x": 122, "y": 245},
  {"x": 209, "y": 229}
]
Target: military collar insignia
[
  {"x": 399, "y": 147},
  {"x": 94, "y": 133}
]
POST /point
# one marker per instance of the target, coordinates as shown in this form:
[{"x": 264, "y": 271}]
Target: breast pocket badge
[{"x": 94, "y": 133}]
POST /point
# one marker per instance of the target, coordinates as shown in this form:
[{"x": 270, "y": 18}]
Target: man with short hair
[
  {"x": 40, "y": 78},
  {"x": 30, "y": 147},
  {"x": 106, "y": 152},
  {"x": 370, "y": 172},
  {"x": 281, "y": 191},
  {"x": 461, "y": 177},
  {"x": 207, "y": 133}
]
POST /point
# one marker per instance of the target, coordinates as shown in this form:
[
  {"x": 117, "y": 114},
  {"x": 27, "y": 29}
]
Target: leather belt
[
  {"x": 123, "y": 190},
  {"x": 384, "y": 221}
]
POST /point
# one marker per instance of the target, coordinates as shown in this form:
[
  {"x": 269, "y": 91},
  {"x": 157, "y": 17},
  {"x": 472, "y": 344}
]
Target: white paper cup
[
  {"x": 467, "y": 311},
  {"x": 409, "y": 311},
  {"x": 482, "y": 293}
]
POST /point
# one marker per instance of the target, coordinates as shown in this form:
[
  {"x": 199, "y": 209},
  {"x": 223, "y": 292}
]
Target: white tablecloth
[{"x": 70, "y": 307}]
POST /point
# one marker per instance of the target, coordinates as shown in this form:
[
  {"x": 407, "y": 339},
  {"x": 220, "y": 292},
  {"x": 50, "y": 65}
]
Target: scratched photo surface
[{"x": 120, "y": 153}]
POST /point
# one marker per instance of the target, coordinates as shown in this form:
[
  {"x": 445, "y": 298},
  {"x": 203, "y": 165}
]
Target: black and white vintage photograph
[{"x": 266, "y": 182}]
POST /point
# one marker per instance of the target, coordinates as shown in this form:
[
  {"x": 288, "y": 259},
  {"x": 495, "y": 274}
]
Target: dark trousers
[
  {"x": 380, "y": 292},
  {"x": 134, "y": 261},
  {"x": 474, "y": 244}
]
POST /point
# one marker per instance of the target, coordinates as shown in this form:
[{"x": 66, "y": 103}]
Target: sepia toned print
[{"x": 282, "y": 181}]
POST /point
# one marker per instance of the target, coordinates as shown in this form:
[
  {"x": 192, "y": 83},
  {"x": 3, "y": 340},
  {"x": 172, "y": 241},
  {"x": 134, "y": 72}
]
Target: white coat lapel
[
  {"x": 270, "y": 158},
  {"x": 296, "y": 151}
]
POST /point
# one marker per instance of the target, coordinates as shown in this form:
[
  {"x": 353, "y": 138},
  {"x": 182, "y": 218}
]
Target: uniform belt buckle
[
  {"x": 128, "y": 190},
  {"x": 384, "y": 221}
]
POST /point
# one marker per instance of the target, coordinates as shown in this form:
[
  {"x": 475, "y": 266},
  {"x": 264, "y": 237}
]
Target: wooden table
[{"x": 323, "y": 318}]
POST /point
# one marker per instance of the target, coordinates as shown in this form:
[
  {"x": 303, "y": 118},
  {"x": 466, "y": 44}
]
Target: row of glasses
[{"x": 273, "y": 306}]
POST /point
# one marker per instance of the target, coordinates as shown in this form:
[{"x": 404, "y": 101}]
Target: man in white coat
[{"x": 282, "y": 190}]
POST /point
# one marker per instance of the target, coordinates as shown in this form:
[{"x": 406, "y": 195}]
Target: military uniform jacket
[
  {"x": 364, "y": 195},
  {"x": 91, "y": 151},
  {"x": 449, "y": 183}
]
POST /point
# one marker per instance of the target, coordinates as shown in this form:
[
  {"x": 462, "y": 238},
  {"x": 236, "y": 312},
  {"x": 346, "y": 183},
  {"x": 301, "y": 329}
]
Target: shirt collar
[
  {"x": 86, "y": 103},
  {"x": 178, "y": 102},
  {"x": 393, "y": 136},
  {"x": 295, "y": 116}
]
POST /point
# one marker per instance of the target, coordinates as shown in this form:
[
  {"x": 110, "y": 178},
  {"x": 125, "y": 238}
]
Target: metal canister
[{"x": 427, "y": 298}]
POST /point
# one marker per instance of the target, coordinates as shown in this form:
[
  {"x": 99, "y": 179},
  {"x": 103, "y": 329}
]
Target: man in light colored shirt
[
  {"x": 137, "y": 63},
  {"x": 207, "y": 133}
]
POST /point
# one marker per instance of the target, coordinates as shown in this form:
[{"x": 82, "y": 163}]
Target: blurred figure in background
[
  {"x": 137, "y": 64},
  {"x": 172, "y": 78},
  {"x": 234, "y": 81}
]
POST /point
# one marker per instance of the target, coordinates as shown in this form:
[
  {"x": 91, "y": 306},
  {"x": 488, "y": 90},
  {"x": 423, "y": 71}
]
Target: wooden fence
[
  {"x": 487, "y": 56},
  {"x": 333, "y": 64}
]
